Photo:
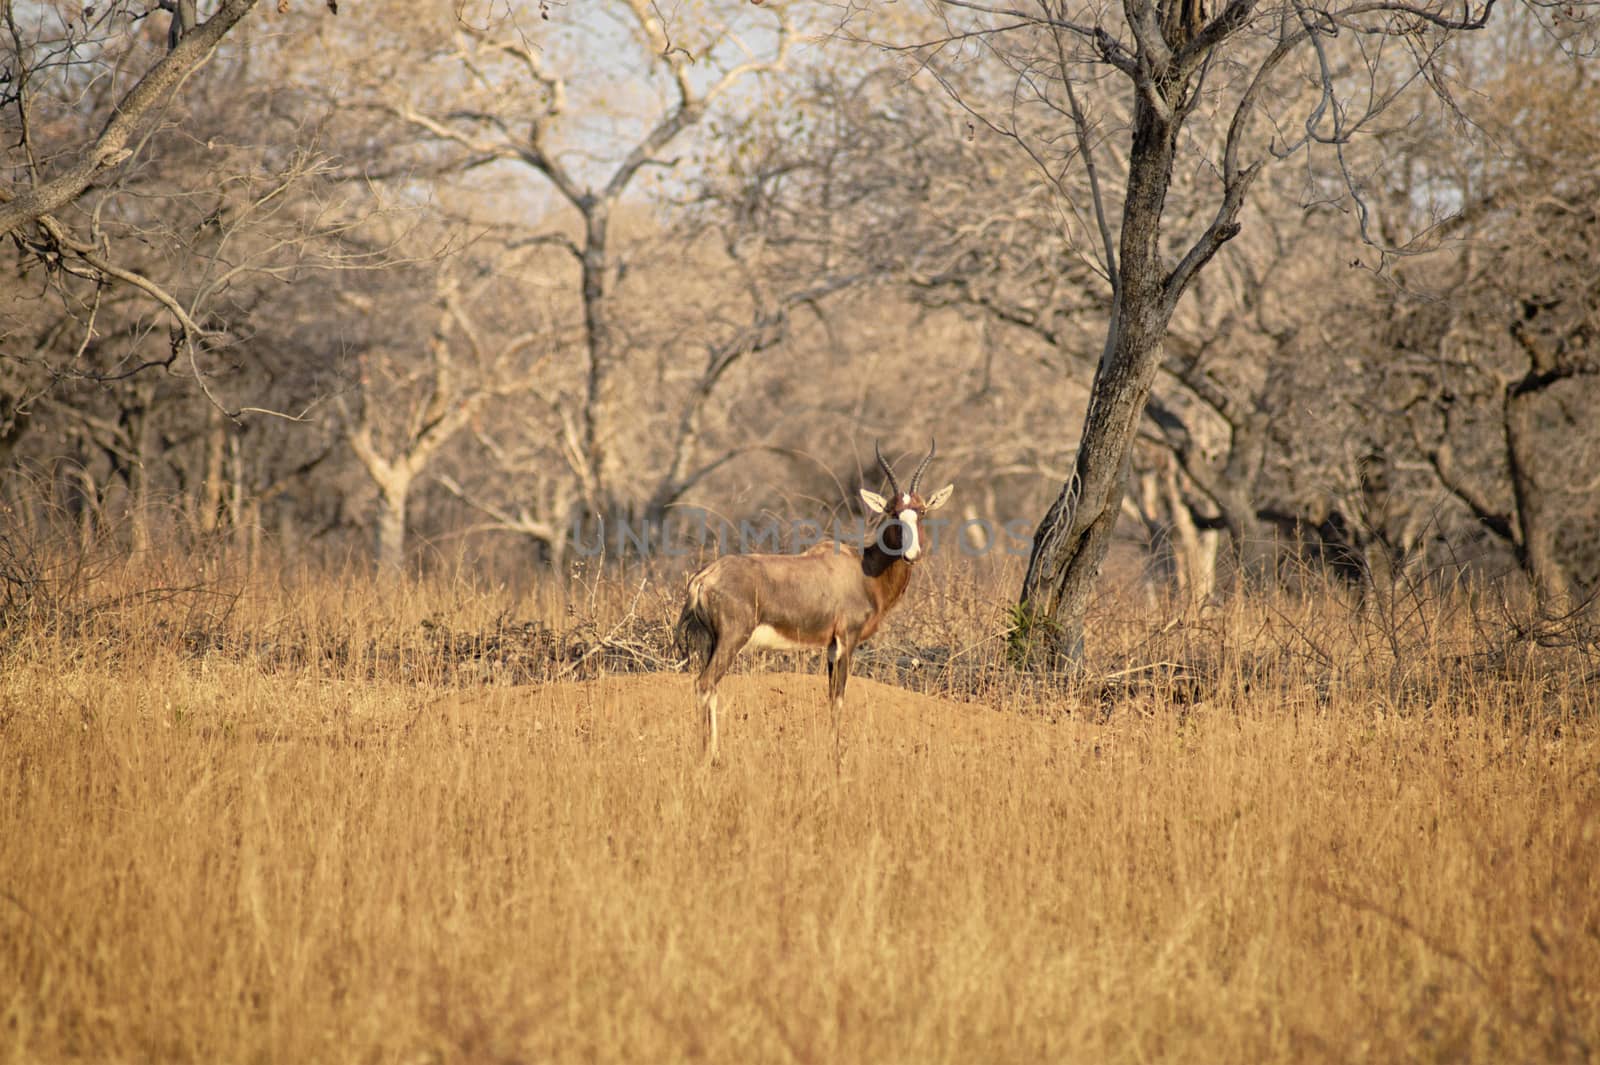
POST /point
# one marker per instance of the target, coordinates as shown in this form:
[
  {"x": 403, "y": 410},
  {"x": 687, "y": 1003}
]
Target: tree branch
[{"x": 110, "y": 149}]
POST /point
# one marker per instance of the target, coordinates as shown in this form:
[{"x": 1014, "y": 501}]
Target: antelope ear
[
  {"x": 941, "y": 497},
  {"x": 875, "y": 503}
]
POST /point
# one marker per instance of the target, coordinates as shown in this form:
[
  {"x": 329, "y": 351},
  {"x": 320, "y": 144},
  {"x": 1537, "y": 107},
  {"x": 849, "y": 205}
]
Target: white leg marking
[{"x": 713, "y": 748}]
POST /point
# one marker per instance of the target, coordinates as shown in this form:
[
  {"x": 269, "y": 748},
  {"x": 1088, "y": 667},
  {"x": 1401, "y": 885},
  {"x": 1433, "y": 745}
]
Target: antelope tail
[{"x": 696, "y": 638}]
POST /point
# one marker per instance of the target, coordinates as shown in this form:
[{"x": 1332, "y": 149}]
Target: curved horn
[
  {"x": 887, "y": 469},
  {"x": 915, "y": 477}
]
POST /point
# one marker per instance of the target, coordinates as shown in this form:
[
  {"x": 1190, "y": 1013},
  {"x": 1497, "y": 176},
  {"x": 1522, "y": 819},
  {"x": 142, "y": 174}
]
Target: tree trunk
[
  {"x": 601, "y": 409},
  {"x": 83, "y": 502},
  {"x": 1537, "y": 524},
  {"x": 236, "y": 487},
  {"x": 13, "y": 423},
  {"x": 211, "y": 484},
  {"x": 1071, "y": 543},
  {"x": 1196, "y": 548},
  {"x": 136, "y": 423},
  {"x": 251, "y": 536},
  {"x": 392, "y": 497},
  {"x": 1164, "y": 567},
  {"x": 1230, "y": 486},
  {"x": 1255, "y": 553}
]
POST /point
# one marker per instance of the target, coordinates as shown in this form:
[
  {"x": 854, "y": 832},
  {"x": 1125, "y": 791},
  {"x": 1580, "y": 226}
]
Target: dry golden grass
[{"x": 1362, "y": 843}]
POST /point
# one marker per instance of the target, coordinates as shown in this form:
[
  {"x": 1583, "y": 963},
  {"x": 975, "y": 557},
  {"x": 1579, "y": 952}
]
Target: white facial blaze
[{"x": 910, "y": 535}]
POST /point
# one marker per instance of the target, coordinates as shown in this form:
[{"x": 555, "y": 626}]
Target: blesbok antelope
[{"x": 832, "y": 596}]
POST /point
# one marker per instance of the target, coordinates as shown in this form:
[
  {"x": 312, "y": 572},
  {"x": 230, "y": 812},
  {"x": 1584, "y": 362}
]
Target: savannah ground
[{"x": 292, "y": 816}]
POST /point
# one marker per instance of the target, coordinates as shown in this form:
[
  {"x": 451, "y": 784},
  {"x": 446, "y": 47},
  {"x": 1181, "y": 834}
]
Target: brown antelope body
[{"x": 832, "y": 597}]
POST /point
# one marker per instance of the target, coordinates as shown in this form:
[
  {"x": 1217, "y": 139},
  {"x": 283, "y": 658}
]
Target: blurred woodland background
[{"x": 415, "y": 279}]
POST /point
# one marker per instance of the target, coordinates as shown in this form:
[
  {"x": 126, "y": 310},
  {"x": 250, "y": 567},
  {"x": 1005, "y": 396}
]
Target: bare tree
[
  {"x": 410, "y": 409},
  {"x": 921, "y": 184},
  {"x": 65, "y": 59},
  {"x": 1200, "y": 85},
  {"x": 512, "y": 107},
  {"x": 1501, "y": 343},
  {"x": 146, "y": 282},
  {"x": 76, "y": 125}
]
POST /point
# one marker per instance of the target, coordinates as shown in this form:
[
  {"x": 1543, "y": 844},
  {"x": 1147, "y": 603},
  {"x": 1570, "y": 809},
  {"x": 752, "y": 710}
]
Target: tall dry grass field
[{"x": 260, "y": 820}]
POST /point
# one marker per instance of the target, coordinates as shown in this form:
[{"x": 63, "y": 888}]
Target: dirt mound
[{"x": 760, "y": 707}]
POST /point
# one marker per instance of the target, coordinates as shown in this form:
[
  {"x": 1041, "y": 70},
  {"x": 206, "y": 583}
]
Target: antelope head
[{"x": 903, "y": 510}]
